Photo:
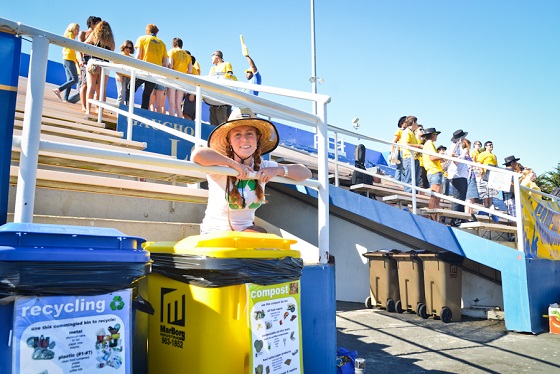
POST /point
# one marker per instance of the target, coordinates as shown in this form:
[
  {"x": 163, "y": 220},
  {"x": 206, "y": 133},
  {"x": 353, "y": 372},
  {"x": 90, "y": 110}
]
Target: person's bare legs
[
  {"x": 434, "y": 202},
  {"x": 178, "y": 98},
  {"x": 171, "y": 101},
  {"x": 91, "y": 83},
  {"x": 159, "y": 103},
  {"x": 83, "y": 94}
]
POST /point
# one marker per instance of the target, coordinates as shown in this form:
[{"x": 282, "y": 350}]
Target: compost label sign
[
  {"x": 72, "y": 334},
  {"x": 274, "y": 321}
]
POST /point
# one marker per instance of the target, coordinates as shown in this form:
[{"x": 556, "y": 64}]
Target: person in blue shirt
[{"x": 253, "y": 75}]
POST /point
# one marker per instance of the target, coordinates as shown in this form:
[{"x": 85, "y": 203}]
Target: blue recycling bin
[{"x": 66, "y": 295}]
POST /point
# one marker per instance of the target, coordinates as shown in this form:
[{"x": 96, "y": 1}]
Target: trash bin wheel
[
  {"x": 398, "y": 307},
  {"x": 368, "y": 303},
  {"x": 445, "y": 315},
  {"x": 421, "y": 310},
  {"x": 390, "y": 306}
]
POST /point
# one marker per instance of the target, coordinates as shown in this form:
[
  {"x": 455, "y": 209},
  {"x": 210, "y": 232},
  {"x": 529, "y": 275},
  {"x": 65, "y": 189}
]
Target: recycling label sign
[
  {"x": 275, "y": 324},
  {"x": 73, "y": 334}
]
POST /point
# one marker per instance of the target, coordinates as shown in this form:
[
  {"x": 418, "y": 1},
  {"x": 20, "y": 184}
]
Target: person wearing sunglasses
[
  {"x": 123, "y": 80},
  {"x": 239, "y": 144},
  {"x": 219, "y": 112},
  {"x": 486, "y": 158}
]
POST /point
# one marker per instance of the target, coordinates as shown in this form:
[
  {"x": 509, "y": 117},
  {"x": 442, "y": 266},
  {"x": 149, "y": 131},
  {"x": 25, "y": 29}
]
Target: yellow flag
[{"x": 244, "y": 49}]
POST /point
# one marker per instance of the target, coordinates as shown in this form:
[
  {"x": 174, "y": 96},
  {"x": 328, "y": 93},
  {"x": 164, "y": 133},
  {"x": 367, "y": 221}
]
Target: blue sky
[{"x": 488, "y": 67}]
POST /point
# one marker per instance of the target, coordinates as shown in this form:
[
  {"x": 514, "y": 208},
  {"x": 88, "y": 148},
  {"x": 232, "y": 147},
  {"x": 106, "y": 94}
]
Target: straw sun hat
[{"x": 218, "y": 139}]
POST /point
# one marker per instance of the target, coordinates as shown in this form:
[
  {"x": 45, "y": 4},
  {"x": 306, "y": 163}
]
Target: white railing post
[
  {"x": 198, "y": 119},
  {"x": 519, "y": 213},
  {"x": 31, "y": 134},
  {"x": 336, "y": 159},
  {"x": 131, "y": 95},
  {"x": 323, "y": 178},
  {"x": 413, "y": 180},
  {"x": 101, "y": 94}
]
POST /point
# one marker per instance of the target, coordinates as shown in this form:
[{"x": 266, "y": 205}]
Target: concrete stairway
[{"x": 149, "y": 201}]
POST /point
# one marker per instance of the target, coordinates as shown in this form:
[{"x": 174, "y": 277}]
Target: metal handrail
[
  {"x": 515, "y": 178},
  {"x": 30, "y": 140}
]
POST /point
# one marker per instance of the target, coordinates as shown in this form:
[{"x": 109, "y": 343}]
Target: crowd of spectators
[
  {"x": 462, "y": 181},
  {"x": 81, "y": 69}
]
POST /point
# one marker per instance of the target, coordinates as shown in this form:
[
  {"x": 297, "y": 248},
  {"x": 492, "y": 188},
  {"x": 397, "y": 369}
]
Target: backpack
[{"x": 360, "y": 158}]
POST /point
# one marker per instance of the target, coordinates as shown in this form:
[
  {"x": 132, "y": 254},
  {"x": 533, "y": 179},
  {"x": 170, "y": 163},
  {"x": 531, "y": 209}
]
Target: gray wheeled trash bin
[
  {"x": 411, "y": 284},
  {"x": 383, "y": 280},
  {"x": 443, "y": 285}
]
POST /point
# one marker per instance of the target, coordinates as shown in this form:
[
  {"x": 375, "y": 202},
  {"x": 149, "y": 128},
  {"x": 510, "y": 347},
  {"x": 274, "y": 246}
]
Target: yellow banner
[{"x": 541, "y": 226}]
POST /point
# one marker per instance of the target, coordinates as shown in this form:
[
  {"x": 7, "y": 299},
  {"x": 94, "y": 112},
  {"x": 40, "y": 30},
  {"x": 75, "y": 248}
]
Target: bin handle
[
  {"x": 241, "y": 308},
  {"x": 143, "y": 305}
]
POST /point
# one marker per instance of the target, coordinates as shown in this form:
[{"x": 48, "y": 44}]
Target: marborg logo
[
  {"x": 117, "y": 303},
  {"x": 172, "y": 306}
]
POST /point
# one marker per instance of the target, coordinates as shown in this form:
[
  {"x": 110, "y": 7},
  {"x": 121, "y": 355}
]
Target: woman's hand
[
  {"x": 266, "y": 174},
  {"x": 245, "y": 171}
]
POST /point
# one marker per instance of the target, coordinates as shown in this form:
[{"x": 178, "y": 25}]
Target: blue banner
[
  {"x": 10, "y": 52},
  {"x": 159, "y": 141}
]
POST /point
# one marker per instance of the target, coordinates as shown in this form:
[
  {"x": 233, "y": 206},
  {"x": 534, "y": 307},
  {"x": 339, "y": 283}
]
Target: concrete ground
[{"x": 391, "y": 342}]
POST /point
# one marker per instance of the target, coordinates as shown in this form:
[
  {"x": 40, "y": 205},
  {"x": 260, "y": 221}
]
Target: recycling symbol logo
[{"x": 117, "y": 303}]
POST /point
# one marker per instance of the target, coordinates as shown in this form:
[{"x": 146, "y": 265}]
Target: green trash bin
[
  {"x": 411, "y": 284},
  {"x": 383, "y": 280},
  {"x": 443, "y": 277}
]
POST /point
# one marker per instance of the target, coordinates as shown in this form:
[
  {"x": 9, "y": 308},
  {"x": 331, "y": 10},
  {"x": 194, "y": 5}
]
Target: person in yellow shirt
[
  {"x": 189, "y": 103},
  {"x": 424, "y": 183},
  {"x": 476, "y": 150},
  {"x": 432, "y": 164},
  {"x": 219, "y": 113},
  {"x": 486, "y": 158},
  {"x": 150, "y": 49},
  {"x": 69, "y": 63},
  {"x": 528, "y": 180},
  {"x": 409, "y": 139},
  {"x": 395, "y": 157},
  {"x": 181, "y": 61}
]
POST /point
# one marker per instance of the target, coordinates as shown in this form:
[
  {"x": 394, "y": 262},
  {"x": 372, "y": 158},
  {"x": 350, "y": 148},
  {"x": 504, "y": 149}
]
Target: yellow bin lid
[{"x": 229, "y": 244}]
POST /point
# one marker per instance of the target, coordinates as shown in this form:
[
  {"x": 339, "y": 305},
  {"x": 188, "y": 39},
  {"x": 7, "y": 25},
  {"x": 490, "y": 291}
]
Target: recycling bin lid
[
  {"x": 230, "y": 244},
  {"x": 64, "y": 243},
  {"x": 381, "y": 253},
  {"x": 413, "y": 253},
  {"x": 445, "y": 256}
]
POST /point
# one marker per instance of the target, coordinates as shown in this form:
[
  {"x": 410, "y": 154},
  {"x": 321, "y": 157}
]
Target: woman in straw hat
[{"x": 239, "y": 143}]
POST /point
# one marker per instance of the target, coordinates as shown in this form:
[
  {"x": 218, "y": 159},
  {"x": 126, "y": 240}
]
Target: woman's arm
[
  {"x": 296, "y": 172},
  {"x": 206, "y": 156}
]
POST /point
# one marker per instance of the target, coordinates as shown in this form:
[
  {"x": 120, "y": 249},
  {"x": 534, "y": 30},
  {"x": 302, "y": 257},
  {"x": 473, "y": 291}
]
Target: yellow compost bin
[{"x": 205, "y": 321}]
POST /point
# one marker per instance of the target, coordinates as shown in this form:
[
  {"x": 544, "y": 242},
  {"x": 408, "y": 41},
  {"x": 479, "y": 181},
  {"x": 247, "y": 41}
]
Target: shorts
[
  {"x": 472, "y": 189},
  {"x": 436, "y": 178},
  {"x": 510, "y": 206},
  {"x": 483, "y": 191},
  {"x": 160, "y": 87},
  {"x": 83, "y": 76},
  {"x": 189, "y": 107}
]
